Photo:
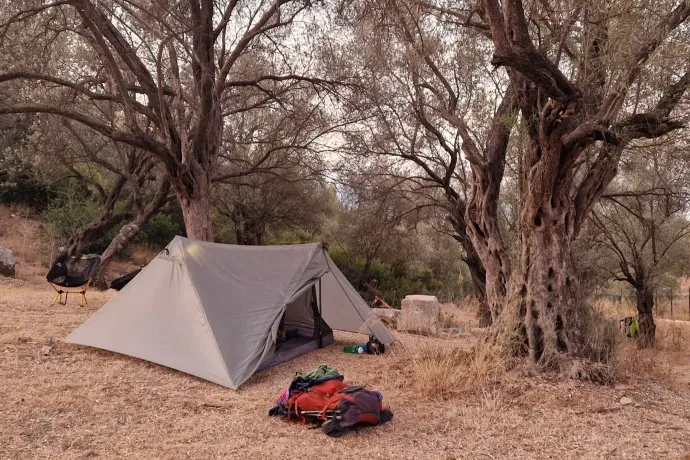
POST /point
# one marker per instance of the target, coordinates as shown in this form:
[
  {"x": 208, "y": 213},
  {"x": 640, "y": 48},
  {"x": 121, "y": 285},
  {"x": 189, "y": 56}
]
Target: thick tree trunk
[
  {"x": 478, "y": 276},
  {"x": 477, "y": 272},
  {"x": 196, "y": 209},
  {"x": 496, "y": 265},
  {"x": 645, "y": 306},
  {"x": 546, "y": 289},
  {"x": 481, "y": 213},
  {"x": 554, "y": 319},
  {"x": 126, "y": 234},
  {"x": 91, "y": 232}
]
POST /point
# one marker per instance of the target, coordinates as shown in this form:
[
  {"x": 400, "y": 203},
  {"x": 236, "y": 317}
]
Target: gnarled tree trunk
[
  {"x": 475, "y": 267},
  {"x": 645, "y": 307},
  {"x": 128, "y": 232},
  {"x": 482, "y": 208},
  {"x": 195, "y": 201},
  {"x": 478, "y": 275},
  {"x": 88, "y": 234},
  {"x": 545, "y": 289}
]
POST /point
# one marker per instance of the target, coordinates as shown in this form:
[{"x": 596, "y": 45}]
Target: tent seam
[{"x": 208, "y": 324}]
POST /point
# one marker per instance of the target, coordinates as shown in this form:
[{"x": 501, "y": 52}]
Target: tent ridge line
[{"x": 203, "y": 312}]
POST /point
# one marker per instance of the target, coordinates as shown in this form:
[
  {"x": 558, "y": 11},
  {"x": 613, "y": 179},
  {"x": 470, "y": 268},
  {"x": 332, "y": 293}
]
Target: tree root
[{"x": 589, "y": 372}]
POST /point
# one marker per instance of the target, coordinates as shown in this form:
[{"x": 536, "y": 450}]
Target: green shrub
[
  {"x": 161, "y": 229},
  {"x": 21, "y": 188},
  {"x": 394, "y": 280},
  {"x": 71, "y": 208}
]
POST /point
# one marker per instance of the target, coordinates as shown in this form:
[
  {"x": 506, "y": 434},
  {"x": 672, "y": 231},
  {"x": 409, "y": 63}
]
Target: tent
[{"x": 215, "y": 310}]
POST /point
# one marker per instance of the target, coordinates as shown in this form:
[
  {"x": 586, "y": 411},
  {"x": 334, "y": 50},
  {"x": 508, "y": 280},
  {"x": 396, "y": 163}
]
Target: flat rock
[
  {"x": 389, "y": 316},
  {"x": 625, "y": 401},
  {"x": 420, "y": 314},
  {"x": 7, "y": 262}
]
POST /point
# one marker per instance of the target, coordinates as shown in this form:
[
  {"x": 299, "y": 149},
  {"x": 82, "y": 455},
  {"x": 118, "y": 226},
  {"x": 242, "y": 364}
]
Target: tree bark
[
  {"x": 478, "y": 275},
  {"x": 545, "y": 289},
  {"x": 476, "y": 269},
  {"x": 196, "y": 207},
  {"x": 88, "y": 234},
  {"x": 645, "y": 306}
]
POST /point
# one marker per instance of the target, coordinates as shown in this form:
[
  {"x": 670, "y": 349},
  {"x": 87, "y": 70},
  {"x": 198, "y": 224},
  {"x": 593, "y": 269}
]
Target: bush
[
  {"x": 394, "y": 280},
  {"x": 22, "y": 189},
  {"x": 161, "y": 229},
  {"x": 72, "y": 208}
]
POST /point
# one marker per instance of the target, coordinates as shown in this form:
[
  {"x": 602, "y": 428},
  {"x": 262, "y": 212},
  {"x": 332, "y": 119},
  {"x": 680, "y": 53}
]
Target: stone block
[{"x": 420, "y": 314}]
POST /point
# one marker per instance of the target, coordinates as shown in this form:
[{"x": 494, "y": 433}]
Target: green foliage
[
  {"x": 394, "y": 279},
  {"x": 293, "y": 236},
  {"x": 223, "y": 229},
  {"x": 21, "y": 188},
  {"x": 161, "y": 229},
  {"x": 72, "y": 208},
  {"x": 19, "y": 175}
]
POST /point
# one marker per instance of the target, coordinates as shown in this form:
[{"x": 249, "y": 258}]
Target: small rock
[
  {"x": 625, "y": 401},
  {"x": 621, "y": 387},
  {"x": 45, "y": 350},
  {"x": 13, "y": 216},
  {"x": 638, "y": 405}
]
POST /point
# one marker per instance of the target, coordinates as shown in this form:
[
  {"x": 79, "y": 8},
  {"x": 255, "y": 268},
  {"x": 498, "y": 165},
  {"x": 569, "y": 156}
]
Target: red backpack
[{"x": 338, "y": 405}]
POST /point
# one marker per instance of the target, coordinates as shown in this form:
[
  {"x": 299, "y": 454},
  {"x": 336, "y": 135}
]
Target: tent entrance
[{"x": 302, "y": 329}]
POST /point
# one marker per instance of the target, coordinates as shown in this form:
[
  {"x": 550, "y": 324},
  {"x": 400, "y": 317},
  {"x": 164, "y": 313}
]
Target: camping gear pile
[
  {"x": 372, "y": 347},
  {"x": 320, "y": 396}
]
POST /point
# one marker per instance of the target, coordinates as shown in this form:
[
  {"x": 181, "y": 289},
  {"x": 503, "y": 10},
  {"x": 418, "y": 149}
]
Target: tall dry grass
[{"x": 446, "y": 369}]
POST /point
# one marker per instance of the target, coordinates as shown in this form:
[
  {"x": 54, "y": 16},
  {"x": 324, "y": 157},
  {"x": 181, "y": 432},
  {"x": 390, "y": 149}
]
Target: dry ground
[
  {"x": 77, "y": 402},
  {"x": 66, "y": 401}
]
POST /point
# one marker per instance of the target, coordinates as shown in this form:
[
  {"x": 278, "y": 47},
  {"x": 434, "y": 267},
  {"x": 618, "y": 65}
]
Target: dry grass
[
  {"x": 445, "y": 369},
  {"x": 460, "y": 316},
  {"x": 662, "y": 310}
]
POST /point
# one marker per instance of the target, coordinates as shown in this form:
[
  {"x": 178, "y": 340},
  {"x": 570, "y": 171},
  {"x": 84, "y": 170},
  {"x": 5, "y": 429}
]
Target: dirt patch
[{"x": 66, "y": 401}]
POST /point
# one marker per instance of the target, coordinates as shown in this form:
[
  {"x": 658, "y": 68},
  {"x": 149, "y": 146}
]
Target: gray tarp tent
[{"x": 214, "y": 310}]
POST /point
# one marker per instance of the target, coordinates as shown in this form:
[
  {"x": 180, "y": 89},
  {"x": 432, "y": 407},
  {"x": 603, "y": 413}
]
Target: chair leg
[{"x": 57, "y": 296}]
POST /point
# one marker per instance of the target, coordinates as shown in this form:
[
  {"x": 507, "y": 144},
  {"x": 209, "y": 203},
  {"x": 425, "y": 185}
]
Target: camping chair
[{"x": 65, "y": 279}]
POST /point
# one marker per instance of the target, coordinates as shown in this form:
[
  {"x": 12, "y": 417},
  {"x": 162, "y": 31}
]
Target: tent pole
[{"x": 320, "y": 318}]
